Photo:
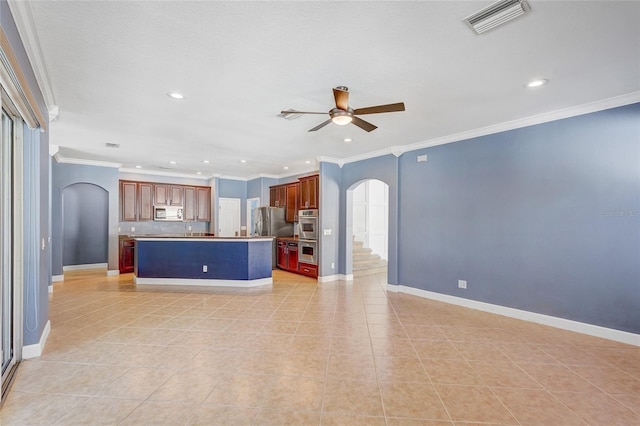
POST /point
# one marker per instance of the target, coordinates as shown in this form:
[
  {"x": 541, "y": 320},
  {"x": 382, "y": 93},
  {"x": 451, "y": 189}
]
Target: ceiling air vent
[
  {"x": 496, "y": 14},
  {"x": 112, "y": 145}
]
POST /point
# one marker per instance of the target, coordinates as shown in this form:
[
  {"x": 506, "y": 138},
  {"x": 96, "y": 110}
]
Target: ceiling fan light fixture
[{"x": 341, "y": 117}]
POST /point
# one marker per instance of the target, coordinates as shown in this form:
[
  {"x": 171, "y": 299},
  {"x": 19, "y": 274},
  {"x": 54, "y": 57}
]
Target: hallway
[{"x": 305, "y": 353}]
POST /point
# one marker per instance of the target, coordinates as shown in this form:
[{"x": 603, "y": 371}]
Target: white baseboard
[
  {"x": 202, "y": 282},
  {"x": 335, "y": 277},
  {"x": 34, "y": 351},
  {"x": 565, "y": 324},
  {"x": 85, "y": 266},
  {"x": 113, "y": 272},
  {"x": 57, "y": 278},
  {"x": 50, "y": 288}
]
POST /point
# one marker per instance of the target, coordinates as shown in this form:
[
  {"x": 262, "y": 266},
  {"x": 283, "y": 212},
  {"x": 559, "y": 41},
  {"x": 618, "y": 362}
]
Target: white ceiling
[{"x": 110, "y": 65}]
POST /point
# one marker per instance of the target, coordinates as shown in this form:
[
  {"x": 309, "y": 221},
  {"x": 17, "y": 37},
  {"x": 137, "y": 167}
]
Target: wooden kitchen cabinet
[
  {"x": 282, "y": 254},
  {"x": 309, "y": 192},
  {"x": 308, "y": 270},
  {"x": 160, "y": 194},
  {"x": 291, "y": 206},
  {"x": 287, "y": 254},
  {"x": 190, "y": 204},
  {"x": 203, "y": 202},
  {"x": 127, "y": 251},
  {"x": 175, "y": 195},
  {"x": 145, "y": 201},
  {"x": 278, "y": 196},
  {"x": 128, "y": 201}
]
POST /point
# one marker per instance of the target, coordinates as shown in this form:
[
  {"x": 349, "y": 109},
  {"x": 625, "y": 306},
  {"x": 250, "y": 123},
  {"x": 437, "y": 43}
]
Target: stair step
[
  {"x": 371, "y": 265},
  {"x": 367, "y": 272}
]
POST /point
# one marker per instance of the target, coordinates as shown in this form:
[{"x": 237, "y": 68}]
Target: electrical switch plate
[
  {"x": 422, "y": 158},
  {"x": 327, "y": 232},
  {"x": 133, "y": 229},
  {"x": 204, "y": 268},
  {"x": 333, "y": 265},
  {"x": 462, "y": 284},
  {"x": 189, "y": 227}
]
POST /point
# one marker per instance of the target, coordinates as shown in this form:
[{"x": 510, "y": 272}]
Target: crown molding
[
  {"x": 23, "y": 17},
  {"x": 601, "y": 105},
  {"x": 65, "y": 160},
  {"x": 53, "y": 150},
  {"x": 340, "y": 162},
  {"x": 168, "y": 174}
]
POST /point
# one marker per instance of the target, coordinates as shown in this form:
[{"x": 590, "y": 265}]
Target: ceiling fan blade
[
  {"x": 380, "y": 108},
  {"x": 320, "y": 126},
  {"x": 364, "y": 125},
  {"x": 342, "y": 98},
  {"x": 291, "y": 112}
]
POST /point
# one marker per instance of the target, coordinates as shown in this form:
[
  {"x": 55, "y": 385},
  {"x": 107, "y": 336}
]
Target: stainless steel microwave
[{"x": 167, "y": 213}]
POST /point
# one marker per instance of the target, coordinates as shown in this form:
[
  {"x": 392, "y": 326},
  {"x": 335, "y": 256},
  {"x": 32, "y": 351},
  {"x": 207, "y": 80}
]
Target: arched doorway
[
  {"x": 370, "y": 228},
  {"x": 85, "y": 226}
]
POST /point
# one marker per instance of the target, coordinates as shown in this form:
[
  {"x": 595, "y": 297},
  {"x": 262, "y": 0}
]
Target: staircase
[{"x": 365, "y": 262}]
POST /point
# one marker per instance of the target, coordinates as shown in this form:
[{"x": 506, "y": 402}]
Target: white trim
[
  {"x": 604, "y": 104},
  {"x": 335, "y": 277},
  {"x": 50, "y": 288},
  {"x": 57, "y": 278},
  {"x": 23, "y": 17},
  {"x": 85, "y": 266},
  {"x": 60, "y": 159},
  {"x": 113, "y": 272},
  {"x": 565, "y": 324},
  {"x": 53, "y": 150},
  {"x": 170, "y": 174},
  {"x": 34, "y": 351},
  {"x": 202, "y": 282}
]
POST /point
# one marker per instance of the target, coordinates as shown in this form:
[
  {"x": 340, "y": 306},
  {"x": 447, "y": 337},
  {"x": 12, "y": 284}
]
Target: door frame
[{"x": 250, "y": 223}]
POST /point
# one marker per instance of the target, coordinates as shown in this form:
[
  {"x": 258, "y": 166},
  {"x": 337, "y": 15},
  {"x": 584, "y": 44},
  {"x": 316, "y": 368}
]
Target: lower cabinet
[
  {"x": 127, "y": 247},
  {"x": 287, "y": 255},
  {"x": 308, "y": 269}
]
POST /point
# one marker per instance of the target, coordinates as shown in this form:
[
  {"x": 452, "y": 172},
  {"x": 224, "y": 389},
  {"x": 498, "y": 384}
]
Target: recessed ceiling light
[
  {"x": 537, "y": 83},
  {"x": 172, "y": 162},
  {"x": 198, "y": 173},
  {"x": 138, "y": 167},
  {"x": 243, "y": 161},
  {"x": 347, "y": 140},
  {"x": 175, "y": 95},
  {"x": 307, "y": 162},
  {"x": 286, "y": 167},
  {"x": 205, "y": 161}
]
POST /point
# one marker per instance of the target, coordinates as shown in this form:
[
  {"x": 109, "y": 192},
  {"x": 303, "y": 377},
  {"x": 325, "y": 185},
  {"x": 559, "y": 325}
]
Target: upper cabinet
[
  {"x": 278, "y": 196},
  {"x": 291, "y": 210},
  {"x": 168, "y": 195},
  {"x": 295, "y": 196},
  {"x": 309, "y": 192},
  {"x": 138, "y": 198},
  {"x": 128, "y": 201}
]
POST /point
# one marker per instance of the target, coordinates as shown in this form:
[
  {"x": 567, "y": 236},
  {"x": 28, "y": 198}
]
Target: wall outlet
[
  {"x": 189, "y": 227},
  {"x": 327, "y": 232},
  {"x": 462, "y": 284},
  {"x": 422, "y": 158},
  {"x": 333, "y": 265},
  {"x": 204, "y": 268},
  {"x": 133, "y": 229}
]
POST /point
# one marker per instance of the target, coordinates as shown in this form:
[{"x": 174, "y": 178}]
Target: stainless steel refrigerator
[{"x": 270, "y": 222}]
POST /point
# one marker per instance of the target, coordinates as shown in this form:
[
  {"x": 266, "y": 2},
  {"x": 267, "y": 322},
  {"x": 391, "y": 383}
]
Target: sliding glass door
[{"x": 7, "y": 288}]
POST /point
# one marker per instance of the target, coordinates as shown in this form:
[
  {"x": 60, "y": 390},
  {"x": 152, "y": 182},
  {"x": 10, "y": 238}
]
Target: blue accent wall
[
  {"x": 329, "y": 247},
  {"x": 544, "y": 218},
  {"x": 64, "y": 175},
  {"x": 231, "y": 188},
  {"x": 85, "y": 224}
]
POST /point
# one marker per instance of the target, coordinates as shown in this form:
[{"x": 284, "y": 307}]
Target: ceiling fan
[{"x": 343, "y": 114}]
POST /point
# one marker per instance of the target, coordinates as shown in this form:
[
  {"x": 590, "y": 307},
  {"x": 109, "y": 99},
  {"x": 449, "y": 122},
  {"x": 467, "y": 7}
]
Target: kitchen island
[{"x": 203, "y": 261}]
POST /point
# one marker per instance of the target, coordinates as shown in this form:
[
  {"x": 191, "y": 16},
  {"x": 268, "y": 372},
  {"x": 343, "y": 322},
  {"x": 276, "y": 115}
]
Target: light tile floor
[{"x": 307, "y": 353}]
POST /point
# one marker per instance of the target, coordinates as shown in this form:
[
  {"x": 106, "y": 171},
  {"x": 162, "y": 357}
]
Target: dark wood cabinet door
[
  {"x": 145, "y": 199},
  {"x": 282, "y": 255},
  {"x": 190, "y": 204},
  {"x": 292, "y": 259},
  {"x": 203, "y": 202},
  {"x": 272, "y": 196},
  {"x": 127, "y": 248},
  {"x": 291, "y": 214},
  {"x": 128, "y": 204},
  {"x": 309, "y": 192},
  {"x": 175, "y": 195},
  {"x": 161, "y": 194}
]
